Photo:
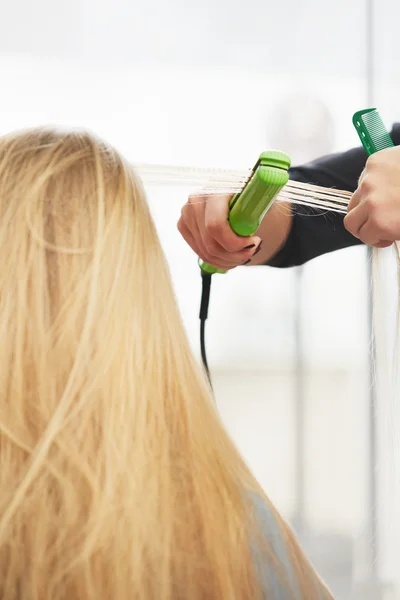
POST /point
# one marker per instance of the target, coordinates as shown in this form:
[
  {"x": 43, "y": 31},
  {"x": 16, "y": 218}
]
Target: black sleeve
[{"x": 315, "y": 232}]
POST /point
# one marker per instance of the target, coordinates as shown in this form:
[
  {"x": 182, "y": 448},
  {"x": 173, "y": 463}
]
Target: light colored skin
[
  {"x": 373, "y": 217},
  {"x": 374, "y": 209},
  {"x": 204, "y": 225}
]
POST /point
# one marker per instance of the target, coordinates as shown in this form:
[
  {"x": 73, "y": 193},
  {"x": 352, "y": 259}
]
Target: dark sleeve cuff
[{"x": 313, "y": 233}]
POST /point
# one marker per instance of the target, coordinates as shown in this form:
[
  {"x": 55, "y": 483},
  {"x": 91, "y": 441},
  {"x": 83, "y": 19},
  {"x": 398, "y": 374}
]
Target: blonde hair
[
  {"x": 386, "y": 371},
  {"x": 117, "y": 478}
]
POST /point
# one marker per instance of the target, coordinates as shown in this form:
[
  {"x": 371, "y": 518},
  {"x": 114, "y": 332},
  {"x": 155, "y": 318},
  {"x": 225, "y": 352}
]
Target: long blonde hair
[
  {"x": 386, "y": 371},
  {"x": 117, "y": 478}
]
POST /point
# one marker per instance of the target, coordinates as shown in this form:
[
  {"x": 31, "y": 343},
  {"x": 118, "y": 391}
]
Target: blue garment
[{"x": 274, "y": 589}]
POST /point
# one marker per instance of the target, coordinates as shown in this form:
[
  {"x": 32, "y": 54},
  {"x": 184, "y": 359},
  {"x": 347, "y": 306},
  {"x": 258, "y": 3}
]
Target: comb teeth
[
  {"x": 371, "y": 130},
  {"x": 377, "y": 130}
]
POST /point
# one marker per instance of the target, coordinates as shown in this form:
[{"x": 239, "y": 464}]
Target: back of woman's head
[{"x": 117, "y": 480}]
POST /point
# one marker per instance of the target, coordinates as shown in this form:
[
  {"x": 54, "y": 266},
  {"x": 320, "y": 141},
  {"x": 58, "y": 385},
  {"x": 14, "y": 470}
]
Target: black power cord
[{"x": 205, "y": 301}]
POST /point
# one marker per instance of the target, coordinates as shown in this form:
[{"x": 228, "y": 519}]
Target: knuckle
[
  {"x": 373, "y": 205},
  {"x": 350, "y": 207},
  {"x": 195, "y": 201},
  {"x": 348, "y": 223},
  {"x": 214, "y": 226},
  {"x": 353, "y": 202},
  {"x": 191, "y": 200},
  {"x": 188, "y": 212},
  {"x": 373, "y": 160},
  {"x": 367, "y": 186}
]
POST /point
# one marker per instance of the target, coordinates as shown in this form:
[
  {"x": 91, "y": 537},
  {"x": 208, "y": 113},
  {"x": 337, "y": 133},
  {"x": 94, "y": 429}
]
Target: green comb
[
  {"x": 371, "y": 130},
  {"x": 249, "y": 207}
]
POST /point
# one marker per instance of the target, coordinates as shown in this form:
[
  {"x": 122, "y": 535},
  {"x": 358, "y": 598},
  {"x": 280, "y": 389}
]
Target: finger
[
  {"x": 383, "y": 244},
  {"x": 354, "y": 201},
  {"x": 215, "y": 251},
  {"x": 358, "y": 194},
  {"x": 193, "y": 211},
  {"x": 222, "y": 259},
  {"x": 192, "y": 216},
  {"x": 217, "y": 226},
  {"x": 356, "y": 218},
  {"x": 369, "y": 235},
  {"x": 192, "y": 227},
  {"x": 363, "y": 173},
  {"x": 187, "y": 236},
  {"x": 215, "y": 254}
]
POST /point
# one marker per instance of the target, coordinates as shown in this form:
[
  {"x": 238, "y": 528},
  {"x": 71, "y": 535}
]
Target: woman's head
[
  {"x": 82, "y": 251},
  {"x": 117, "y": 479},
  {"x": 85, "y": 294}
]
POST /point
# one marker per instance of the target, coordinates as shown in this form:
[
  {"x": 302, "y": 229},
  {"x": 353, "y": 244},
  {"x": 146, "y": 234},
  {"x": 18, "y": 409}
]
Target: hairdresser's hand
[
  {"x": 374, "y": 210},
  {"x": 205, "y": 227}
]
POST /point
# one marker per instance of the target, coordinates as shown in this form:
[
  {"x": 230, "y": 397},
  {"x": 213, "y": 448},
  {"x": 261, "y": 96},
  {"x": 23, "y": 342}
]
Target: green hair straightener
[
  {"x": 248, "y": 207},
  {"x": 269, "y": 175}
]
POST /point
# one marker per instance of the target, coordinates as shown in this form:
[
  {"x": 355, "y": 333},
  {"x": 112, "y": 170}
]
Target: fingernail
[
  {"x": 258, "y": 249},
  {"x": 248, "y": 247}
]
